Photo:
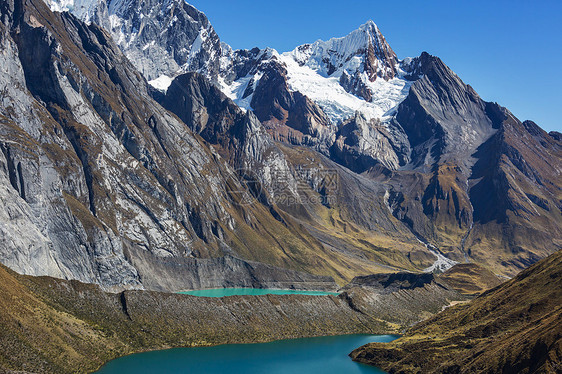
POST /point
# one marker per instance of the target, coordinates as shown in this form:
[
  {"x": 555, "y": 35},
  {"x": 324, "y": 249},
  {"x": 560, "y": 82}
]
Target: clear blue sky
[{"x": 509, "y": 51}]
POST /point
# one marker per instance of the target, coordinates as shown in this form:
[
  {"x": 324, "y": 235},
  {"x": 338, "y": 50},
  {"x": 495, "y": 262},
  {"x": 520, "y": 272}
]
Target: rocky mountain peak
[
  {"x": 364, "y": 50},
  {"x": 83, "y": 9},
  {"x": 162, "y": 38},
  {"x": 166, "y": 38}
]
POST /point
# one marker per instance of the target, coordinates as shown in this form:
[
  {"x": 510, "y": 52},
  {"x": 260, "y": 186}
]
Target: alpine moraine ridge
[{"x": 141, "y": 156}]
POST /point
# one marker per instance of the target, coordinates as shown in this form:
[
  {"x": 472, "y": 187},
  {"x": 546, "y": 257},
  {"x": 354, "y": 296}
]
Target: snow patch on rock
[{"x": 161, "y": 83}]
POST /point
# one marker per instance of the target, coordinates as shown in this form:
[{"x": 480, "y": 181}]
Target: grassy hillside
[
  {"x": 470, "y": 279},
  {"x": 37, "y": 337},
  {"x": 514, "y": 328}
]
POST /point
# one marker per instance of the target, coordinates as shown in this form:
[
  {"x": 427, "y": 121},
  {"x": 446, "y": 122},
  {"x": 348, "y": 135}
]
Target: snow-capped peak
[
  {"x": 355, "y": 73},
  {"x": 363, "y": 50},
  {"x": 369, "y": 25},
  {"x": 371, "y": 28},
  {"x": 164, "y": 38}
]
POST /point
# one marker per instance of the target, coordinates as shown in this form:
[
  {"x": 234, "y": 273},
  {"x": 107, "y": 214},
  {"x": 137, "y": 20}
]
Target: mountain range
[
  {"x": 141, "y": 156},
  {"x": 140, "y": 151}
]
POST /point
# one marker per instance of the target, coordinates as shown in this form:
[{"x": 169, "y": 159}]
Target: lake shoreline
[
  {"x": 243, "y": 344},
  {"x": 244, "y": 348}
]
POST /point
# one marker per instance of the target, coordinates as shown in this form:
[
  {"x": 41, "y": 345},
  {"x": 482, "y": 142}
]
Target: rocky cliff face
[
  {"x": 102, "y": 184},
  {"x": 290, "y": 116},
  {"x": 163, "y": 37},
  {"x": 238, "y": 136},
  {"x": 361, "y": 144},
  {"x": 55, "y": 176},
  {"x": 442, "y": 117}
]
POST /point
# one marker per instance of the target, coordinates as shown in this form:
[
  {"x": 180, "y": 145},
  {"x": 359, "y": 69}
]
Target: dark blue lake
[{"x": 326, "y": 355}]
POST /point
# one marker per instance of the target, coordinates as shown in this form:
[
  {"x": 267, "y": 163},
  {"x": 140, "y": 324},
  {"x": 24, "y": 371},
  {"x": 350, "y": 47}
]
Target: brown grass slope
[
  {"x": 514, "y": 328},
  {"x": 35, "y": 337},
  {"x": 470, "y": 279}
]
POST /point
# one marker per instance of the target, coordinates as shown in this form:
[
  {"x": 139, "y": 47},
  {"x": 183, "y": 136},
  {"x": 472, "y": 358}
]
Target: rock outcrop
[
  {"x": 401, "y": 298},
  {"x": 391, "y": 282},
  {"x": 362, "y": 144}
]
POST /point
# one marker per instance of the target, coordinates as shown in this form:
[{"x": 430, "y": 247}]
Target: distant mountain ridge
[{"x": 165, "y": 38}]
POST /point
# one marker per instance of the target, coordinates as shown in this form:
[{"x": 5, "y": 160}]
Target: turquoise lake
[
  {"x": 326, "y": 355},
  {"x": 220, "y": 292}
]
